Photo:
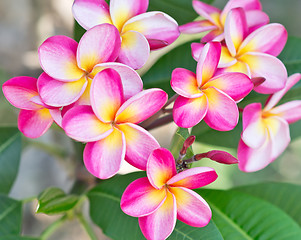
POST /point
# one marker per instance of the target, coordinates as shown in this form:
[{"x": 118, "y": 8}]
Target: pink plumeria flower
[
  {"x": 140, "y": 31},
  {"x": 208, "y": 97},
  {"x": 253, "y": 54},
  {"x": 164, "y": 196},
  {"x": 110, "y": 125},
  {"x": 70, "y": 67},
  {"x": 215, "y": 18},
  {"x": 35, "y": 117},
  {"x": 266, "y": 131}
]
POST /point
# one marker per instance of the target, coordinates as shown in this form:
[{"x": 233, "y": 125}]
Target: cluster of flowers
[{"x": 92, "y": 91}]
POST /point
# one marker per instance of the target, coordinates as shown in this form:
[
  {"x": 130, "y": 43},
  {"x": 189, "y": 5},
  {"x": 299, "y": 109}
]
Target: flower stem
[
  {"x": 87, "y": 227},
  {"x": 53, "y": 227}
]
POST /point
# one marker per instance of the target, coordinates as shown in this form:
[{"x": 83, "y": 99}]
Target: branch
[{"x": 160, "y": 122}]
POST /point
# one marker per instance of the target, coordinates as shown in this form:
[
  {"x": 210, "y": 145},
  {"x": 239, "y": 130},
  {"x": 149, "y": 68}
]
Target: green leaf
[
  {"x": 78, "y": 31},
  {"x": 10, "y": 153},
  {"x": 283, "y": 195},
  {"x": 180, "y": 10},
  {"x": 207, "y": 135},
  {"x": 242, "y": 216},
  {"x": 291, "y": 55},
  {"x": 54, "y": 201},
  {"x": 185, "y": 232},
  {"x": 106, "y": 213},
  {"x": 10, "y": 216},
  {"x": 17, "y": 237},
  {"x": 160, "y": 73},
  {"x": 177, "y": 143}
]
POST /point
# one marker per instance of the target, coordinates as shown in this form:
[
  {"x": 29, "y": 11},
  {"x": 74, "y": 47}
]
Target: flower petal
[
  {"x": 247, "y": 5},
  {"x": 208, "y": 62},
  {"x": 197, "y": 27},
  {"x": 19, "y": 90},
  {"x": 207, "y": 11},
  {"x": 56, "y": 115},
  {"x": 187, "y": 112},
  {"x": 89, "y": 13},
  {"x": 254, "y": 159},
  {"x": 57, "y": 93},
  {"x": 139, "y": 144},
  {"x": 84, "y": 99},
  {"x": 236, "y": 29},
  {"x": 81, "y": 124},
  {"x": 268, "y": 67},
  {"x": 255, "y": 133},
  {"x": 34, "y": 123},
  {"x": 279, "y": 135},
  {"x": 131, "y": 81},
  {"x": 123, "y": 10},
  {"x": 98, "y": 45},
  {"x": 193, "y": 178},
  {"x": 161, "y": 223},
  {"x": 154, "y": 26},
  {"x": 251, "y": 113},
  {"x": 196, "y": 49},
  {"x": 58, "y": 58},
  {"x": 222, "y": 114},
  {"x": 192, "y": 209},
  {"x": 134, "y": 50},
  {"x": 238, "y": 66},
  {"x": 106, "y": 94},
  {"x": 226, "y": 59},
  {"x": 141, "y": 106},
  {"x": 290, "y": 111},
  {"x": 103, "y": 158},
  {"x": 140, "y": 198},
  {"x": 256, "y": 19},
  {"x": 269, "y": 39},
  {"x": 184, "y": 83},
  {"x": 275, "y": 98},
  {"x": 236, "y": 85},
  {"x": 216, "y": 35},
  {"x": 161, "y": 166}
]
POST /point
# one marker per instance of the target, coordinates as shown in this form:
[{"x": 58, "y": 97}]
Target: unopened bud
[
  {"x": 221, "y": 157},
  {"x": 187, "y": 143}
]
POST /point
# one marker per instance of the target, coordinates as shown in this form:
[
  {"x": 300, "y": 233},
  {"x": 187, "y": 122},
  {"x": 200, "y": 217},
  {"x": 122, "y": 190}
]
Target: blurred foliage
[{"x": 10, "y": 153}]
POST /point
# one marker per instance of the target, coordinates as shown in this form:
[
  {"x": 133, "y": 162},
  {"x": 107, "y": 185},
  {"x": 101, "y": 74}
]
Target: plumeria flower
[
  {"x": 266, "y": 131},
  {"x": 35, "y": 117},
  {"x": 164, "y": 196},
  {"x": 140, "y": 31},
  {"x": 208, "y": 97},
  {"x": 253, "y": 54},
  {"x": 70, "y": 67},
  {"x": 110, "y": 125},
  {"x": 215, "y": 18}
]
